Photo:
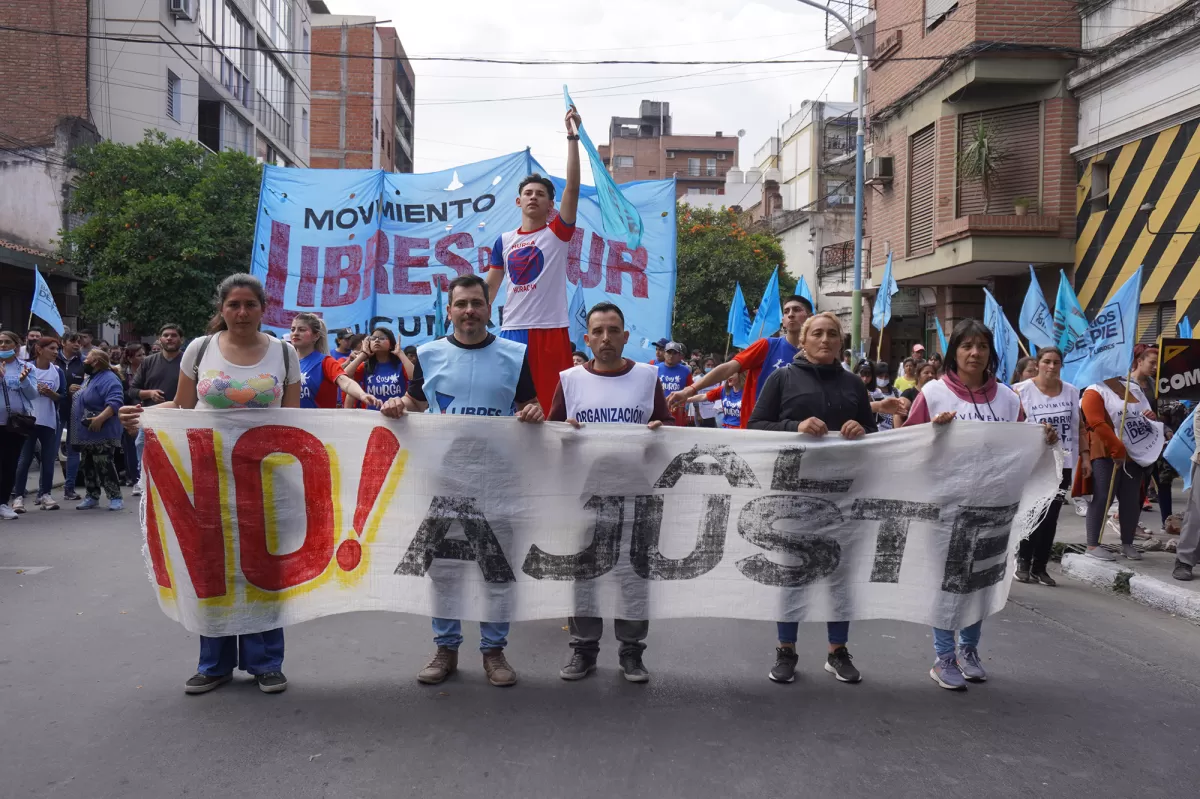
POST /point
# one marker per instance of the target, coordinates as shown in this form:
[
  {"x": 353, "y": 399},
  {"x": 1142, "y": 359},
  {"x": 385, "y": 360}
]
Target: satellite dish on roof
[{"x": 741, "y": 133}]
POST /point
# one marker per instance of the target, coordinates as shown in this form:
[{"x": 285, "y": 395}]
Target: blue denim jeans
[
  {"x": 838, "y": 631},
  {"x": 259, "y": 653},
  {"x": 943, "y": 640},
  {"x": 45, "y": 438},
  {"x": 72, "y": 463},
  {"x": 492, "y": 634}
]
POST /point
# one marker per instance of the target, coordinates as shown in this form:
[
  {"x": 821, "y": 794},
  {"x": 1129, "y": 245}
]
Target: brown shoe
[
  {"x": 444, "y": 663},
  {"x": 497, "y": 668}
]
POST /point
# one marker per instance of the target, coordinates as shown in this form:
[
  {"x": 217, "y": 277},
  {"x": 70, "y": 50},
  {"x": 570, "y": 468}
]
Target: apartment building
[
  {"x": 645, "y": 148},
  {"x": 943, "y": 74},
  {"x": 363, "y": 96}
]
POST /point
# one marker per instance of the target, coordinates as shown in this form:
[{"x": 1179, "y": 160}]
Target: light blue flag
[
  {"x": 941, "y": 336},
  {"x": 1037, "y": 322},
  {"x": 43, "y": 306},
  {"x": 803, "y": 290},
  {"x": 577, "y": 319},
  {"x": 738, "y": 326},
  {"x": 1106, "y": 348},
  {"x": 621, "y": 217},
  {"x": 1185, "y": 328},
  {"x": 881, "y": 314},
  {"x": 1069, "y": 322},
  {"x": 1008, "y": 348},
  {"x": 770, "y": 315},
  {"x": 439, "y": 312},
  {"x": 1180, "y": 448}
]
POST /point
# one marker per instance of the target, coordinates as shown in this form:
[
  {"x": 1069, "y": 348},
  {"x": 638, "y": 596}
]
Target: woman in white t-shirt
[
  {"x": 236, "y": 367},
  {"x": 1047, "y": 400}
]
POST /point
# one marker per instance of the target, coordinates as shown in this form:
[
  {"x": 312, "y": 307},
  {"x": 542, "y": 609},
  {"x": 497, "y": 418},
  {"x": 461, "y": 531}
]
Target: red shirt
[
  {"x": 758, "y": 361},
  {"x": 327, "y": 393}
]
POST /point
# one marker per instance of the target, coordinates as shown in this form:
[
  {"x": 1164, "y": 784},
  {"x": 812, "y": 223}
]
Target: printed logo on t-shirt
[
  {"x": 223, "y": 391},
  {"x": 1137, "y": 429},
  {"x": 602, "y": 415},
  {"x": 444, "y": 402},
  {"x": 525, "y": 264},
  {"x": 673, "y": 378}
]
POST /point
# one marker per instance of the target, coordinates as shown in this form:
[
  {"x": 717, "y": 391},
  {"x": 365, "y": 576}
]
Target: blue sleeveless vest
[{"x": 475, "y": 382}]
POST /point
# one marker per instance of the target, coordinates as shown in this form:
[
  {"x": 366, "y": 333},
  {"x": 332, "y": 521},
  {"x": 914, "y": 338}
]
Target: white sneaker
[
  {"x": 137, "y": 490},
  {"x": 46, "y": 502},
  {"x": 7, "y": 513},
  {"x": 1080, "y": 506},
  {"x": 18, "y": 505}
]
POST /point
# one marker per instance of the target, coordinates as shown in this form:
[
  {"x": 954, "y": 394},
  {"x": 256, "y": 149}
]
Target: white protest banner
[{"x": 259, "y": 519}]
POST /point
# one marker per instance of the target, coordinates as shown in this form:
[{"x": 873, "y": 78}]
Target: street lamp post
[{"x": 856, "y": 301}]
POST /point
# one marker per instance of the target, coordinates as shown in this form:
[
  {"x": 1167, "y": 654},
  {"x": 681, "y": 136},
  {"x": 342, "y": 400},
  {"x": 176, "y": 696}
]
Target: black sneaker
[
  {"x": 1182, "y": 571},
  {"x": 71, "y": 496},
  {"x": 1043, "y": 578},
  {"x": 1023, "y": 572},
  {"x": 273, "y": 682},
  {"x": 203, "y": 683},
  {"x": 839, "y": 665},
  {"x": 632, "y": 668},
  {"x": 784, "y": 669},
  {"x": 582, "y": 664}
]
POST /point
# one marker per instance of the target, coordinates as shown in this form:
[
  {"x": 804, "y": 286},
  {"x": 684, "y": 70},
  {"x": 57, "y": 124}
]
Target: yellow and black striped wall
[{"x": 1113, "y": 236}]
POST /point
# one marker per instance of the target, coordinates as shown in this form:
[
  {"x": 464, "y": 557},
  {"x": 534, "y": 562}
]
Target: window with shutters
[
  {"x": 1018, "y": 128},
  {"x": 1154, "y": 320},
  {"x": 938, "y": 10},
  {"x": 922, "y": 162},
  {"x": 174, "y": 96}
]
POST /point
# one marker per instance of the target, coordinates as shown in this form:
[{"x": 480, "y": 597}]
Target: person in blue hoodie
[{"x": 97, "y": 430}]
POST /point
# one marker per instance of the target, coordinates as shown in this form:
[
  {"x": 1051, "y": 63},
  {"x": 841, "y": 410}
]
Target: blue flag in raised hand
[
  {"x": 804, "y": 291},
  {"x": 1069, "y": 321},
  {"x": 43, "y": 306},
  {"x": 770, "y": 315},
  {"x": 1185, "y": 328},
  {"x": 1106, "y": 348},
  {"x": 1180, "y": 448},
  {"x": 1037, "y": 322},
  {"x": 881, "y": 314},
  {"x": 941, "y": 336},
  {"x": 620, "y": 217},
  {"x": 1008, "y": 348},
  {"x": 577, "y": 318},
  {"x": 738, "y": 326}
]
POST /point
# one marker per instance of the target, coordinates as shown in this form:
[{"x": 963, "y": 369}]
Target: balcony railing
[{"x": 836, "y": 265}]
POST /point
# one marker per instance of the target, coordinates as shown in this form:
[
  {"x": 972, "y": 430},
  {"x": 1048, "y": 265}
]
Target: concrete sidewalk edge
[{"x": 1149, "y": 591}]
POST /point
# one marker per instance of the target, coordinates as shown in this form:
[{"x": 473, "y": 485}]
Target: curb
[{"x": 1149, "y": 591}]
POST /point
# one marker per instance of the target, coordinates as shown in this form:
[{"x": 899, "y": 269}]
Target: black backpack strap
[
  {"x": 200, "y": 357},
  {"x": 287, "y": 363}
]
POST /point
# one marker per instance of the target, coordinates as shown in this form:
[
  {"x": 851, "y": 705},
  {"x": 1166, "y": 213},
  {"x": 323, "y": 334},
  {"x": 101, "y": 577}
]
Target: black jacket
[{"x": 802, "y": 390}]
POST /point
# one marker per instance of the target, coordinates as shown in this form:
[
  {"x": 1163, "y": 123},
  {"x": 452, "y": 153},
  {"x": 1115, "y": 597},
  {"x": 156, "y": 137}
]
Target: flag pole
[
  {"x": 728, "y": 341},
  {"x": 1113, "y": 480},
  {"x": 1022, "y": 346}
]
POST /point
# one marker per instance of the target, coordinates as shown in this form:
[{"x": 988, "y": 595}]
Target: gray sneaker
[
  {"x": 946, "y": 673},
  {"x": 1100, "y": 553},
  {"x": 1130, "y": 551},
  {"x": 972, "y": 669}
]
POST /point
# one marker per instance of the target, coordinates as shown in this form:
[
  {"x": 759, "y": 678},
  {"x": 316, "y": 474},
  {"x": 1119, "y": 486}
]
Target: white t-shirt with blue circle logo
[{"x": 535, "y": 264}]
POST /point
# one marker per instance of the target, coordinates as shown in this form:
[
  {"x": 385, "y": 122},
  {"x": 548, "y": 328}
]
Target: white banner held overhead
[{"x": 260, "y": 519}]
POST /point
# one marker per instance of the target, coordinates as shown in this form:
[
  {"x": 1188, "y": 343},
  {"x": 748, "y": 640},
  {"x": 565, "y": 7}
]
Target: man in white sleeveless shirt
[{"x": 609, "y": 388}]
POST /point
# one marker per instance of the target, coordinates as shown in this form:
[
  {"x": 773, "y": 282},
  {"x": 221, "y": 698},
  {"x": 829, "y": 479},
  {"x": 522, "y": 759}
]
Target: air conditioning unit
[
  {"x": 721, "y": 156},
  {"x": 182, "y": 9},
  {"x": 879, "y": 170},
  {"x": 670, "y": 153}
]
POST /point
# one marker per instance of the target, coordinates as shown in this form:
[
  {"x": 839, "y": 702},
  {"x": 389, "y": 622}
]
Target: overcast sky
[{"x": 463, "y": 116}]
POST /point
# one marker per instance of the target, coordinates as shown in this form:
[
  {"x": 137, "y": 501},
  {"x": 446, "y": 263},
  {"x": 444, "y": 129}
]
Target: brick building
[
  {"x": 363, "y": 115},
  {"x": 644, "y": 148},
  {"x": 940, "y": 70},
  {"x": 45, "y": 101}
]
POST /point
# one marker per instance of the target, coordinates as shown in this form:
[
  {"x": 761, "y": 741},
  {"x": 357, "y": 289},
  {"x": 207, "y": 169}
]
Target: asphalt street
[{"x": 1090, "y": 695}]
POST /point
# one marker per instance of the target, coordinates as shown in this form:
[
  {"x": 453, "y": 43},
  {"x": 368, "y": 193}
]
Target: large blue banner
[{"x": 364, "y": 248}]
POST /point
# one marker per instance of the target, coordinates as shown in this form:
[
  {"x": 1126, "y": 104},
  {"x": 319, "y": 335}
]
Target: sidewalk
[{"x": 1148, "y": 580}]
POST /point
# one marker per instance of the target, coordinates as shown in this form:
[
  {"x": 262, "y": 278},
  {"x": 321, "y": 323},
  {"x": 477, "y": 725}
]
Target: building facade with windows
[
  {"x": 945, "y": 78},
  {"x": 1138, "y": 157},
  {"x": 363, "y": 102},
  {"x": 230, "y": 74},
  {"x": 644, "y": 148}
]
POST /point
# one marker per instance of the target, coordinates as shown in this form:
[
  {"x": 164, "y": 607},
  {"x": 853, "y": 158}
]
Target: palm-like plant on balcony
[{"x": 980, "y": 159}]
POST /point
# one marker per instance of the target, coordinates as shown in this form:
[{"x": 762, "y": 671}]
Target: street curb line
[{"x": 1149, "y": 591}]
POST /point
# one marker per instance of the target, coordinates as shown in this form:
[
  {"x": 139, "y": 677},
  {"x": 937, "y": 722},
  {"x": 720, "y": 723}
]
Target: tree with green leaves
[
  {"x": 165, "y": 221},
  {"x": 715, "y": 251}
]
